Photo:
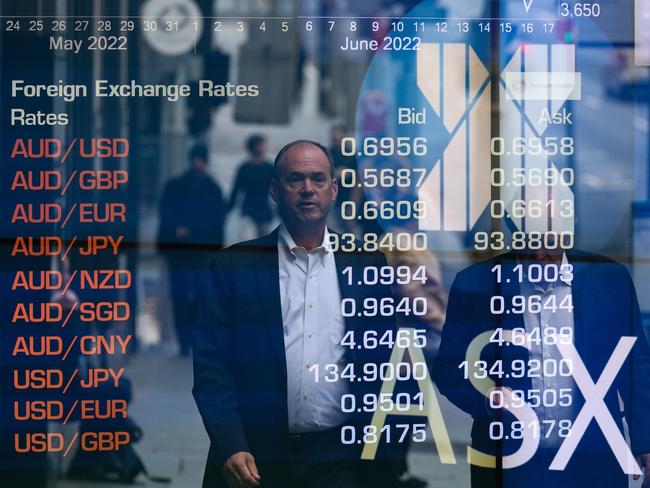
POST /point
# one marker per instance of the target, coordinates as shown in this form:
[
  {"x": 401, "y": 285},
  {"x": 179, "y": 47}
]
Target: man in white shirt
[
  {"x": 269, "y": 357},
  {"x": 547, "y": 322},
  {"x": 313, "y": 329}
]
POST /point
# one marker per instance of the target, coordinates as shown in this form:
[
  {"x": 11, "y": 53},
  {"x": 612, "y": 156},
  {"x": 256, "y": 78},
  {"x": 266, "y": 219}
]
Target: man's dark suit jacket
[
  {"x": 240, "y": 377},
  {"x": 605, "y": 309}
]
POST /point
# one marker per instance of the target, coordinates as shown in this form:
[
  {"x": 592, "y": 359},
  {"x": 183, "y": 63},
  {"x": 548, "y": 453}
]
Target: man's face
[
  {"x": 199, "y": 164},
  {"x": 304, "y": 187},
  {"x": 260, "y": 149}
]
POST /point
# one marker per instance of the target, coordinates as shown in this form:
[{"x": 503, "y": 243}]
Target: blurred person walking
[
  {"x": 192, "y": 212},
  {"x": 253, "y": 180},
  {"x": 271, "y": 311}
]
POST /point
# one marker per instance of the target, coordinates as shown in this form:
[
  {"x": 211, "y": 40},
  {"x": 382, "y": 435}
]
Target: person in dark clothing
[
  {"x": 192, "y": 212},
  {"x": 270, "y": 306},
  {"x": 599, "y": 334},
  {"x": 253, "y": 179}
]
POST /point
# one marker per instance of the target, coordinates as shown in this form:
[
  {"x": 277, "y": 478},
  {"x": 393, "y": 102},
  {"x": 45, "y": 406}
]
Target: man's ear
[
  {"x": 274, "y": 191},
  {"x": 335, "y": 189}
]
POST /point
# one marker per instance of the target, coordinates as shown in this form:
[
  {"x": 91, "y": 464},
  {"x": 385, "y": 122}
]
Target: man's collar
[{"x": 285, "y": 239}]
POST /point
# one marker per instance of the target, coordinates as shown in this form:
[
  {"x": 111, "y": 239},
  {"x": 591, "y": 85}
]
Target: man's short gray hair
[{"x": 280, "y": 157}]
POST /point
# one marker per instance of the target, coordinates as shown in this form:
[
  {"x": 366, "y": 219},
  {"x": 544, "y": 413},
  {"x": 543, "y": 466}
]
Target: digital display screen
[{"x": 325, "y": 243}]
